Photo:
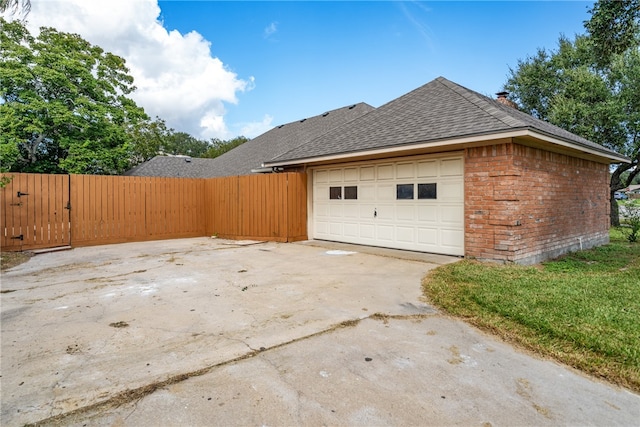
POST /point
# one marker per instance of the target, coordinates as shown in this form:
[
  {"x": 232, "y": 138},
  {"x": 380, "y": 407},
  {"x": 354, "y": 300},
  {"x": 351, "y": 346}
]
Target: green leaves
[
  {"x": 613, "y": 28},
  {"x": 64, "y": 105},
  {"x": 591, "y": 85}
]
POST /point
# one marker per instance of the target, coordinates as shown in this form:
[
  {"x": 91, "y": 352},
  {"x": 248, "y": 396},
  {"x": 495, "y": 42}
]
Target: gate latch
[{"x": 20, "y": 194}]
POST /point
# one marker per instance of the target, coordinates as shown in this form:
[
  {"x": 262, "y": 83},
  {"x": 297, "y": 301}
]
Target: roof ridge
[
  {"x": 484, "y": 103},
  {"x": 350, "y": 106}
]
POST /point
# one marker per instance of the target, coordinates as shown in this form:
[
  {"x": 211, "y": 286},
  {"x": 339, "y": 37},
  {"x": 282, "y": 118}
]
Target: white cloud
[
  {"x": 271, "y": 29},
  {"x": 251, "y": 130},
  {"x": 176, "y": 75}
]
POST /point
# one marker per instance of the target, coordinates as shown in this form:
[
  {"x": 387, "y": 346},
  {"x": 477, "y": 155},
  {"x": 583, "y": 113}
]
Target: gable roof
[
  {"x": 253, "y": 153},
  {"x": 172, "y": 166},
  {"x": 437, "y": 112}
]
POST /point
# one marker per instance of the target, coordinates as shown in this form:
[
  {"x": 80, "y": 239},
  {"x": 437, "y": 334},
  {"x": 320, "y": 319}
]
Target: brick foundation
[{"x": 526, "y": 205}]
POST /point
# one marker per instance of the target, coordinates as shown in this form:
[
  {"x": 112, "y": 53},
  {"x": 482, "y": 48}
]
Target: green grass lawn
[{"x": 582, "y": 309}]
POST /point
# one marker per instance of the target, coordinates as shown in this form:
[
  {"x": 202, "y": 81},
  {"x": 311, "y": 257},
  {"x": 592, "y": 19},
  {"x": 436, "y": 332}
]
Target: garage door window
[
  {"x": 427, "y": 191},
  {"x": 351, "y": 193},
  {"x": 335, "y": 193},
  {"x": 404, "y": 191}
]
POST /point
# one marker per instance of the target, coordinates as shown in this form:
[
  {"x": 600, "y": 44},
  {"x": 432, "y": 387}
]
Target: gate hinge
[
  {"x": 20, "y": 237},
  {"x": 16, "y": 204},
  {"x": 20, "y": 194}
]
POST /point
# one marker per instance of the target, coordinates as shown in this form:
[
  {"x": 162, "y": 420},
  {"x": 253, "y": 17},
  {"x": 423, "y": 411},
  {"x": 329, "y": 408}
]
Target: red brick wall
[{"x": 526, "y": 205}]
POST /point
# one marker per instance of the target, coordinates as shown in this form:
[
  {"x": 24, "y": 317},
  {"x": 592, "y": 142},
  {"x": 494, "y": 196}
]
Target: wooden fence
[
  {"x": 115, "y": 209},
  {"x": 258, "y": 207},
  {"x": 42, "y": 211},
  {"x": 35, "y": 212}
]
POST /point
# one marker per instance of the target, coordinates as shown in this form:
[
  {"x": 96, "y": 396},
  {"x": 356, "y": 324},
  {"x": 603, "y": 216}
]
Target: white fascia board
[
  {"x": 451, "y": 143},
  {"x": 616, "y": 158}
]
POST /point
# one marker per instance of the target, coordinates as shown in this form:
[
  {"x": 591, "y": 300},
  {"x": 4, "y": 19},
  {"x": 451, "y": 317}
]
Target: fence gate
[{"x": 35, "y": 212}]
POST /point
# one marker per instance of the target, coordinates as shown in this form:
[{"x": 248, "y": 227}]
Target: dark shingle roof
[
  {"x": 252, "y": 154},
  {"x": 437, "y": 111},
  {"x": 172, "y": 166}
]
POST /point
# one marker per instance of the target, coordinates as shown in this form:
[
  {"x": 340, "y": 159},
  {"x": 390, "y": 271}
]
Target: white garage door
[{"x": 413, "y": 204}]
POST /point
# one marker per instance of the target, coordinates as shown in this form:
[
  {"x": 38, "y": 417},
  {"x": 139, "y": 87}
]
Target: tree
[
  {"x": 63, "y": 104},
  {"x": 185, "y": 144},
  {"x": 147, "y": 139},
  {"x": 613, "y": 28},
  {"x": 13, "y": 6},
  {"x": 584, "y": 91},
  {"x": 151, "y": 138},
  {"x": 219, "y": 147}
]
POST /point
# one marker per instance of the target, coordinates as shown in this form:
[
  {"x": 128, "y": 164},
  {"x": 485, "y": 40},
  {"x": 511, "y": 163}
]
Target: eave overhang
[{"x": 526, "y": 135}]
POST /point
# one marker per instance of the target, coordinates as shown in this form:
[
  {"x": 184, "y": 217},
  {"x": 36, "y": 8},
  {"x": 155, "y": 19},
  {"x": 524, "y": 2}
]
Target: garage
[{"x": 413, "y": 203}]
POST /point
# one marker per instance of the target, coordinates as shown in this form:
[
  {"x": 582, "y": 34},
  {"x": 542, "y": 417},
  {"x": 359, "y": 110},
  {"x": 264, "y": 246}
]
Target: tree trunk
[
  {"x": 617, "y": 184},
  {"x": 615, "y": 212}
]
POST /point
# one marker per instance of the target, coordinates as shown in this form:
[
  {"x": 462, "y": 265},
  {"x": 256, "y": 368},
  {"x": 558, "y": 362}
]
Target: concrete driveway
[{"x": 214, "y": 332}]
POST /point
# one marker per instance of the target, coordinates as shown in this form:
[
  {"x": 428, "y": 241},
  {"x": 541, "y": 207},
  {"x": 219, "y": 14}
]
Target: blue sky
[
  {"x": 226, "y": 68},
  {"x": 309, "y": 57}
]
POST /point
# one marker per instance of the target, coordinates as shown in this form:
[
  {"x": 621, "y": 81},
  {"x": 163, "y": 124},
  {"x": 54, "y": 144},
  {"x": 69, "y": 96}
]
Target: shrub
[{"x": 633, "y": 222}]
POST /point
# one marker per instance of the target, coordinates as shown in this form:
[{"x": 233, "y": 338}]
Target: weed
[{"x": 632, "y": 221}]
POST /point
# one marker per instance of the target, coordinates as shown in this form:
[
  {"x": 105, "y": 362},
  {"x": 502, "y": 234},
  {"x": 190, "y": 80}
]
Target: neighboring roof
[
  {"x": 173, "y": 166},
  {"x": 438, "y": 111},
  {"x": 252, "y": 154}
]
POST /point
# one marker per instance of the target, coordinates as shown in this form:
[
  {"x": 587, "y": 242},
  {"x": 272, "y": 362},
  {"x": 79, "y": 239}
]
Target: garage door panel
[
  {"x": 351, "y": 230},
  {"x": 428, "y": 169},
  {"x": 384, "y": 172},
  {"x": 367, "y": 173},
  {"x": 321, "y": 210},
  {"x": 335, "y": 175},
  {"x": 335, "y": 210},
  {"x": 405, "y": 234},
  {"x": 351, "y": 211},
  {"x": 350, "y": 174},
  {"x": 452, "y": 215},
  {"x": 406, "y": 213},
  {"x": 451, "y": 190},
  {"x": 385, "y": 233},
  {"x": 384, "y": 213},
  {"x": 431, "y": 221},
  {"x": 427, "y": 236},
  {"x": 428, "y": 213},
  {"x": 451, "y": 167},
  {"x": 452, "y": 239},
  {"x": 367, "y": 211},
  {"x": 320, "y": 193},
  {"x": 321, "y": 228},
  {"x": 367, "y": 192},
  {"x": 386, "y": 192},
  {"x": 321, "y": 176},
  {"x": 367, "y": 231},
  {"x": 405, "y": 170},
  {"x": 335, "y": 229}
]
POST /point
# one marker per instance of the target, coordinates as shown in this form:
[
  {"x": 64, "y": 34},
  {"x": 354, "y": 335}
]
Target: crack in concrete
[{"x": 134, "y": 395}]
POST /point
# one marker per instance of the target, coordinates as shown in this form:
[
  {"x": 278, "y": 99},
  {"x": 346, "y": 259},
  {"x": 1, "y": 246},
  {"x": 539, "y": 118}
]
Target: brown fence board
[
  {"x": 115, "y": 209},
  {"x": 38, "y": 218},
  {"x": 257, "y": 207}
]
